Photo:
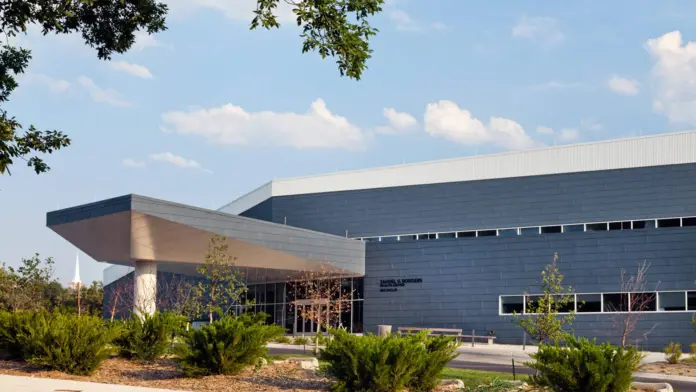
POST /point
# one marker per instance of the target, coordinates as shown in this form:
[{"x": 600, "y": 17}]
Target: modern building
[{"x": 454, "y": 243}]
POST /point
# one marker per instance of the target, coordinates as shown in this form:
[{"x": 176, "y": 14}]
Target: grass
[
  {"x": 477, "y": 377},
  {"x": 282, "y": 357}
]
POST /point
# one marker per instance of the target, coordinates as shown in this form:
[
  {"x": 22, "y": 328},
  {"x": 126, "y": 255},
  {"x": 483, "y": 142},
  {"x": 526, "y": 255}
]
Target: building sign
[{"x": 389, "y": 285}]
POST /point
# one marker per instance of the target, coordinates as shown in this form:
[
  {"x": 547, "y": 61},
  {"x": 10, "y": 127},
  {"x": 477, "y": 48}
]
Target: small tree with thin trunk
[
  {"x": 626, "y": 317},
  {"x": 541, "y": 320},
  {"x": 119, "y": 298},
  {"x": 321, "y": 298},
  {"x": 179, "y": 295},
  {"x": 223, "y": 286}
]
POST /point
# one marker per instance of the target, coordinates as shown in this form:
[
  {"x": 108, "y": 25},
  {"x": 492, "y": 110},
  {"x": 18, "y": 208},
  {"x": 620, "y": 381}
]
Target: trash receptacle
[{"x": 384, "y": 330}]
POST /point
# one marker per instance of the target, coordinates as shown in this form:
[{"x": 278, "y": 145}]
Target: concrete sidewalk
[{"x": 35, "y": 384}]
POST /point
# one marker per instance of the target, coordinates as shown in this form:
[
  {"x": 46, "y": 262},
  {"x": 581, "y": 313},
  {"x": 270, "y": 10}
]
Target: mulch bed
[
  {"x": 165, "y": 374},
  {"x": 686, "y": 368}
]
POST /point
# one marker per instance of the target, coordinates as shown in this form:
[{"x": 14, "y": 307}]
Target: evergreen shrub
[
  {"x": 300, "y": 341},
  {"x": 67, "y": 342},
  {"x": 146, "y": 337},
  {"x": 386, "y": 364},
  {"x": 584, "y": 366},
  {"x": 673, "y": 353},
  {"x": 12, "y": 326},
  {"x": 283, "y": 340},
  {"x": 226, "y": 346}
]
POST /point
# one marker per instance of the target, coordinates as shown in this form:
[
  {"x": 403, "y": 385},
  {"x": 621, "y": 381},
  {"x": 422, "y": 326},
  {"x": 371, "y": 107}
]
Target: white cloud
[
  {"x": 540, "y": 29},
  {"x": 568, "y": 135},
  {"x": 447, "y": 120},
  {"x": 622, "y": 85},
  {"x": 230, "y": 124},
  {"x": 54, "y": 85},
  {"x": 241, "y": 10},
  {"x": 129, "y": 162},
  {"x": 144, "y": 40},
  {"x": 398, "y": 122},
  {"x": 133, "y": 69},
  {"x": 98, "y": 94},
  {"x": 674, "y": 77},
  {"x": 544, "y": 130},
  {"x": 175, "y": 160},
  {"x": 404, "y": 22}
]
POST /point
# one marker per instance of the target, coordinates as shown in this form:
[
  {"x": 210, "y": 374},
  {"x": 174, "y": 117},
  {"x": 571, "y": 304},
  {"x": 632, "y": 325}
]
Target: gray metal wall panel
[
  {"x": 90, "y": 210},
  {"x": 660, "y": 191},
  {"x": 462, "y": 283}
]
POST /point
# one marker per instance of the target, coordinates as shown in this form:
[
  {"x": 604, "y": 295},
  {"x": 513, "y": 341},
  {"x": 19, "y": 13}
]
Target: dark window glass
[
  {"x": 568, "y": 304},
  {"x": 550, "y": 229},
  {"x": 573, "y": 228},
  {"x": 588, "y": 303},
  {"x": 290, "y": 291},
  {"x": 280, "y": 292},
  {"x": 662, "y": 223},
  {"x": 390, "y": 239},
  {"x": 251, "y": 293},
  {"x": 463, "y": 234},
  {"x": 691, "y": 300},
  {"x": 649, "y": 224},
  {"x": 687, "y": 222},
  {"x": 507, "y": 232},
  {"x": 447, "y": 235},
  {"x": 426, "y": 236},
  {"x": 626, "y": 225},
  {"x": 615, "y": 302},
  {"x": 358, "y": 288},
  {"x": 289, "y": 318},
  {"x": 643, "y": 302},
  {"x": 511, "y": 304},
  {"x": 529, "y": 230},
  {"x": 346, "y": 314},
  {"x": 532, "y": 304},
  {"x": 270, "y": 293},
  {"x": 371, "y": 239},
  {"x": 270, "y": 311},
  {"x": 615, "y": 226},
  {"x": 358, "y": 317},
  {"x": 408, "y": 238},
  {"x": 487, "y": 233},
  {"x": 596, "y": 227},
  {"x": 672, "y": 302},
  {"x": 260, "y": 293}
]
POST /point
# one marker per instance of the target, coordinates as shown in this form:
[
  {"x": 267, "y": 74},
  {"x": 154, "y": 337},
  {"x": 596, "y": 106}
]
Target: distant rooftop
[{"x": 653, "y": 150}]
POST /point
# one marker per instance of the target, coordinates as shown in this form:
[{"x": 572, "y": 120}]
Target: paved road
[{"x": 680, "y": 386}]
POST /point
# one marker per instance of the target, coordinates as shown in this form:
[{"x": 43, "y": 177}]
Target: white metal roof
[{"x": 653, "y": 150}]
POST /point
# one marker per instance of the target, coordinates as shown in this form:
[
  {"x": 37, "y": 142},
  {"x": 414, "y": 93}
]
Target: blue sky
[{"x": 209, "y": 110}]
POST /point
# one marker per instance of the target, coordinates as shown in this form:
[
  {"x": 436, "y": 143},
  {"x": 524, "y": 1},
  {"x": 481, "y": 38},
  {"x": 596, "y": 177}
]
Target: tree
[
  {"x": 110, "y": 26},
  {"x": 25, "y": 287},
  {"x": 223, "y": 286},
  {"x": 626, "y": 317},
  {"x": 180, "y": 295},
  {"x": 321, "y": 298},
  {"x": 118, "y": 297},
  {"x": 541, "y": 320}
]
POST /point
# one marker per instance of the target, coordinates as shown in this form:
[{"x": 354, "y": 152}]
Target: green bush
[
  {"x": 282, "y": 339},
  {"x": 300, "y": 341},
  {"x": 12, "y": 326},
  {"x": 148, "y": 337},
  {"x": 692, "y": 351},
  {"x": 67, "y": 342},
  {"x": 386, "y": 364},
  {"x": 673, "y": 353},
  {"x": 584, "y": 366},
  {"x": 226, "y": 346}
]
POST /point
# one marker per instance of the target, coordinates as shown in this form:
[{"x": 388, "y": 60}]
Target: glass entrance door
[{"x": 303, "y": 326}]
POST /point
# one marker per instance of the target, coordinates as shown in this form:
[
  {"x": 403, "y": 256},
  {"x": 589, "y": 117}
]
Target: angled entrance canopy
[{"x": 129, "y": 229}]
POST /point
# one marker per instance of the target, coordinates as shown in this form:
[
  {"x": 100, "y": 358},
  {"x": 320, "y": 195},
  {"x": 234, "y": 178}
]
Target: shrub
[
  {"x": 67, "y": 342},
  {"x": 300, "y": 341},
  {"x": 584, "y": 366},
  {"x": 226, "y": 346},
  {"x": 147, "y": 338},
  {"x": 692, "y": 351},
  {"x": 282, "y": 339},
  {"x": 12, "y": 326},
  {"x": 386, "y": 364},
  {"x": 673, "y": 353}
]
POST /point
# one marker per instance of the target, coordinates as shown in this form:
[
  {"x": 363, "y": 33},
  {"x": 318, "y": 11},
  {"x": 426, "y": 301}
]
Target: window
[
  {"x": 532, "y": 304},
  {"x": 463, "y": 234},
  {"x": 512, "y": 304},
  {"x": 568, "y": 306},
  {"x": 644, "y": 224},
  {"x": 573, "y": 228},
  {"x": 643, "y": 302},
  {"x": 596, "y": 226},
  {"x": 687, "y": 222},
  {"x": 408, "y": 237},
  {"x": 550, "y": 229},
  {"x": 620, "y": 225},
  {"x": 389, "y": 239},
  {"x": 429, "y": 236},
  {"x": 529, "y": 230},
  {"x": 589, "y": 303},
  {"x": 487, "y": 233},
  {"x": 675, "y": 222},
  {"x": 691, "y": 300},
  {"x": 672, "y": 302},
  {"x": 371, "y": 239},
  {"x": 507, "y": 232},
  {"x": 446, "y": 235},
  {"x": 615, "y": 302}
]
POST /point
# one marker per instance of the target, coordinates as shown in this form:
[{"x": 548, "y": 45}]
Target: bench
[{"x": 448, "y": 331}]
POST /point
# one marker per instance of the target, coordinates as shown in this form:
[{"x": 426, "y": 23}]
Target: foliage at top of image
[
  {"x": 227, "y": 345},
  {"x": 147, "y": 337},
  {"x": 583, "y": 365},
  {"x": 541, "y": 320},
  {"x": 386, "y": 364},
  {"x": 107, "y": 26}
]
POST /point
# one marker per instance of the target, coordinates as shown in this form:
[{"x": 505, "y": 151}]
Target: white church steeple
[{"x": 76, "y": 279}]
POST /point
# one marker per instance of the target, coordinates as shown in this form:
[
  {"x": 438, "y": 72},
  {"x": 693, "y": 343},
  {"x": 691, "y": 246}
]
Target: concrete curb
[
  {"x": 657, "y": 387},
  {"x": 665, "y": 377}
]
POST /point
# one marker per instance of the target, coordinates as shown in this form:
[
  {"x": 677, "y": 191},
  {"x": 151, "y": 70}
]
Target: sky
[{"x": 209, "y": 110}]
